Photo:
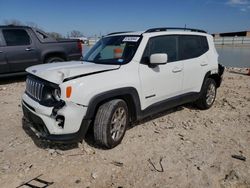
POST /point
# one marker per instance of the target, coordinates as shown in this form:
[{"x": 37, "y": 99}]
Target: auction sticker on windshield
[{"x": 131, "y": 39}]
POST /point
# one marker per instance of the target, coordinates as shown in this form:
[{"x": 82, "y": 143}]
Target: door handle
[
  {"x": 1, "y": 51},
  {"x": 176, "y": 69},
  {"x": 204, "y": 64},
  {"x": 29, "y": 49}
]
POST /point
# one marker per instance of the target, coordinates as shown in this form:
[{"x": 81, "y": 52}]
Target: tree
[
  {"x": 32, "y": 24},
  {"x": 75, "y": 34},
  {"x": 18, "y": 22},
  {"x": 12, "y": 22},
  {"x": 55, "y": 35}
]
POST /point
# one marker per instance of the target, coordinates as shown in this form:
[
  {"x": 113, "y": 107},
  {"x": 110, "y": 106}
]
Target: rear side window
[
  {"x": 191, "y": 46},
  {"x": 16, "y": 37},
  {"x": 161, "y": 44},
  {"x": 41, "y": 35}
]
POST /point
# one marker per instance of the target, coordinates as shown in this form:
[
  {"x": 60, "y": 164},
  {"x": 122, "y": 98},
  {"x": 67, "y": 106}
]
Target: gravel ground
[{"x": 183, "y": 147}]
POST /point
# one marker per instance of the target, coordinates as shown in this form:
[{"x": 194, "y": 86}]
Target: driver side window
[{"x": 161, "y": 44}]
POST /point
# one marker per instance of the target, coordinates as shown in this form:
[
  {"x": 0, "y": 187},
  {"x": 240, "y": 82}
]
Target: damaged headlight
[{"x": 57, "y": 94}]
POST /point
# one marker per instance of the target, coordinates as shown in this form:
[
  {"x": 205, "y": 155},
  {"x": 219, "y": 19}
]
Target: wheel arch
[
  {"x": 54, "y": 54},
  {"x": 128, "y": 94},
  {"x": 217, "y": 77}
]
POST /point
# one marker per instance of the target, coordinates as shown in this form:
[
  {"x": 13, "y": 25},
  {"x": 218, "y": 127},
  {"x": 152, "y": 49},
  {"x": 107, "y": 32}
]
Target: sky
[{"x": 99, "y": 17}]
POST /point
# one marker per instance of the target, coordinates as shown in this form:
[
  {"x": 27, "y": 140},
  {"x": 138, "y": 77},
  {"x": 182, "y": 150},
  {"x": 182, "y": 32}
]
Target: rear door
[
  {"x": 192, "y": 52},
  {"x": 20, "y": 49},
  {"x": 4, "y": 67}
]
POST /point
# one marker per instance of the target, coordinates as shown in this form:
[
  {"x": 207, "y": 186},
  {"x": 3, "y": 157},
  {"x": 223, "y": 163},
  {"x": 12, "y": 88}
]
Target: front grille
[{"x": 34, "y": 88}]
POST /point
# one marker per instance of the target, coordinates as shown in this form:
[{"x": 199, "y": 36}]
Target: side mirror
[{"x": 160, "y": 58}]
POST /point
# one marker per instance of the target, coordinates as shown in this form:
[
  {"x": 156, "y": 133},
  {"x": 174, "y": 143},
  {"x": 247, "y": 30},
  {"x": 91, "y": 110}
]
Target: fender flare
[
  {"x": 129, "y": 94},
  {"x": 205, "y": 77},
  {"x": 217, "y": 77}
]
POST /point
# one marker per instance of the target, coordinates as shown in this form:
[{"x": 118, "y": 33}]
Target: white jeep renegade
[{"x": 125, "y": 77}]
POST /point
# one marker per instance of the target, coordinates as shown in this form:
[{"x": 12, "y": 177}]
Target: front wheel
[
  {"x": 208, "y": 95},
  {"x": 110, "y": 123}
]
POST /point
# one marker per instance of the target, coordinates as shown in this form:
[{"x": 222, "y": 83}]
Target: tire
[
  {"x": 54, "y": 60},
  {"x": 208, "y": 95},
  {"x": 104, "y": 123}
]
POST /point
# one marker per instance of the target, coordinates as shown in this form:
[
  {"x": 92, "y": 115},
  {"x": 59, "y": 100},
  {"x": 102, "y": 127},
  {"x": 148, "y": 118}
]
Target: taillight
[{"x": 79, "y": 45}]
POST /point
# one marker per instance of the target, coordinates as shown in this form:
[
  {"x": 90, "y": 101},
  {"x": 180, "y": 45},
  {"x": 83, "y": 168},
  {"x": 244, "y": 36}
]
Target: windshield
[{"x": 113, "y": 50}]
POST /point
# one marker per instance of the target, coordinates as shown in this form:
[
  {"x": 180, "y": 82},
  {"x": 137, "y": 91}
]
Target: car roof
[
  {"x": 126, "y": 33},
  {"x": 161, "y": 31}
]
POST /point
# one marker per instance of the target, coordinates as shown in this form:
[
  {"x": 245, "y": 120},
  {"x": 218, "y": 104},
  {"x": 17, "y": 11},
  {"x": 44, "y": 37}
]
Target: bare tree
[
  {"x": 12, "y": 22},
  {"x": 18, "y": 22},
  {"x": 55, "y": 35},
  {"x": 76, "y": 33},
  {"x": 32, "y": 24}
]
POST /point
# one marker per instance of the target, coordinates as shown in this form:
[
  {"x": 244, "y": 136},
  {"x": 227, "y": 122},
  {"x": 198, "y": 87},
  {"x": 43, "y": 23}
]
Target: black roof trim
[
  {"x": 119, "y": 32},
  {"x": 14, "y": 26},
  {"x": 174, "y": 28}
]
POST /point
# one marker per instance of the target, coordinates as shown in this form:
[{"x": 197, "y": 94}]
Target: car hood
[{"x": 60, "y": 72}]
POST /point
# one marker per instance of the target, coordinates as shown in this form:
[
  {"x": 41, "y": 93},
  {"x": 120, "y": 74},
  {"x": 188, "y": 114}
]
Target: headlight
[{"x": 57, "y": 94}]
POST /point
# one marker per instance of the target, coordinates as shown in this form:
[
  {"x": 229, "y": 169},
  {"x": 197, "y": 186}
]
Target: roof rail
[
  {"x": 173, "y": 28},
  {"x": 13, "y": 25},
  {"x": 119, "y": 32}
]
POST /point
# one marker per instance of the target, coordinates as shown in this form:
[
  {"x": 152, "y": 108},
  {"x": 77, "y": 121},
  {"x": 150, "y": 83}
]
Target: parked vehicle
[
  {"x": 84, "y": 40},
  {"x": 21, "y": 47},
  {"x": 123, "y": 78}
]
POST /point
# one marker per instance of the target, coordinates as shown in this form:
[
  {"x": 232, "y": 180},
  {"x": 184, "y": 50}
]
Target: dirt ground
[{"x": 183, "y": 147}]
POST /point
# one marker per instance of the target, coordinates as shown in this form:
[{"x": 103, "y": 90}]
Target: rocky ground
[{"x": 183, "y": 147}]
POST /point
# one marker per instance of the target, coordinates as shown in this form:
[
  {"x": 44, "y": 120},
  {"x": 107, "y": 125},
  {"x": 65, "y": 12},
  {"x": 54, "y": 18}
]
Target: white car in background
[{"x": 123, "y": 78}]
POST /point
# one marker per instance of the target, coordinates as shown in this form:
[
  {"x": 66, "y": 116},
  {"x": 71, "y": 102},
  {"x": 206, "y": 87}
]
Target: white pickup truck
[{"x": 125, "y": 77}]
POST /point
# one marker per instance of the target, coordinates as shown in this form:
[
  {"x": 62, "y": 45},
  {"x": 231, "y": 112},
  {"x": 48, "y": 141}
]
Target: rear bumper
[{"x": 38, "y": 126}]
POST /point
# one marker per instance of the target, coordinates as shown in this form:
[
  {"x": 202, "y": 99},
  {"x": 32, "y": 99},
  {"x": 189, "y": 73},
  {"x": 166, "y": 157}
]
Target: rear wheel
[
  {"x": 110, "y": 123},
  {"x": 208, "y": 95},
  {"x": 54, "y": 60}
]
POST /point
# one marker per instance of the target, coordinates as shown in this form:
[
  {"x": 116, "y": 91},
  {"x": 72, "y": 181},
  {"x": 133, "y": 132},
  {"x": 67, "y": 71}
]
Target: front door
[
  {"x": 164, "y": 81},
  {"x": 4, "y": 67},
  {"x": 20, "y": 49}
]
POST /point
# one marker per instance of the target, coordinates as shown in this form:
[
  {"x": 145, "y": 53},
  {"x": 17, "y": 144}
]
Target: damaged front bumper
[{"x": 61, "y": 123}]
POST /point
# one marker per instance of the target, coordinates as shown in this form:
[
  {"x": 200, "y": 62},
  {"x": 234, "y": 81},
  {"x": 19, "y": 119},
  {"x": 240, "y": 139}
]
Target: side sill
[{"x": 167, "y": 104}]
